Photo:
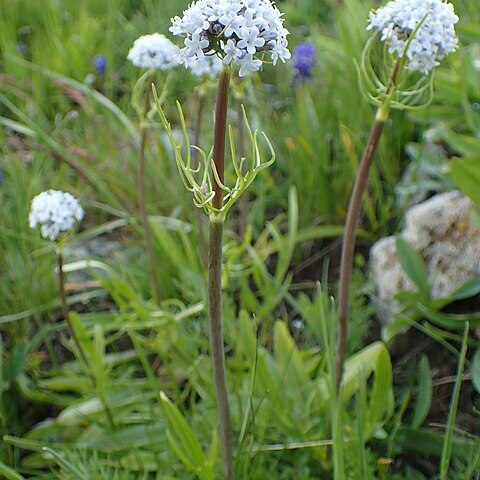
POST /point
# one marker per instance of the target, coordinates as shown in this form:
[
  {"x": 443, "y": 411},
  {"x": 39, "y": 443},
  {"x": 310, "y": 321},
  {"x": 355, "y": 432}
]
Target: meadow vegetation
[{"x": 133, "y": 396}]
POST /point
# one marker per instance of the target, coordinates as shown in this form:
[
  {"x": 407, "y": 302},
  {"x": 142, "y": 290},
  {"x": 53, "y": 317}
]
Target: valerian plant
[
  {"x": 242, "y": 34},
  {"x": 57, "y": 213},
  {"x": 413, "y": 36},
  {"x": 152, "y": 52}
]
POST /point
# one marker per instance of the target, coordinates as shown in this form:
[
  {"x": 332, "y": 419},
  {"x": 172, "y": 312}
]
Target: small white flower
[
  {"x": 434, "y": 39},
  {"x": 196, "y": 45},
  {"x": 250, "y": 40},
  {"x": 153, "y": 51},
  {"x": 231, "y": 51},
  {"x": 237, "y": 30},
  {"x": 248, "y": 64},
  {"x": 55, "y": 212}
]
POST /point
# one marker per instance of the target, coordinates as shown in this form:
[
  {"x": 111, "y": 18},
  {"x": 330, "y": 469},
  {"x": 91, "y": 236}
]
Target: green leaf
[
  {"x": 288, "y": 359},
  {"x": 428, "y": 442},
  {"x": 184, "y": 442},
  {"x": 363, "y": 363},
  {"x": 448, "y": 320},
  {"x": 469, "y": 289},
  {"x": 448, "y": 439},
  {"x": 413, "y": 265},
  {"x": 8, "y": 473},
  {"x": 16, "y": 361},
  {"x": 81, "y": 336},
  {"x": 425, "y": 388},
  {"x": 86, "y": 90},
  {"x": 287, "y": 245},
  {"x": 98, "y": 357},
  {"x": 246, "y": 339},
  {"x": 381, "y": 403},
  {"x": 466, "y": 174},
  {"x": 397, "y": 327},
  {"x": 476, "y": 371},
  {"x": 464, "y": 144},
  {"x": 68, "y": 466}
]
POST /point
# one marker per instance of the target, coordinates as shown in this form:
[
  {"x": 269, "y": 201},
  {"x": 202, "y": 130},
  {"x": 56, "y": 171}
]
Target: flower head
[
  {"x": 55, "y": 212},
  {"x": 433, "y": 23},
  {"x": 153, "y": 51},
  {"x": 237, "y": 30},
  {"x": 100, "y": 64},
  {"x": 304, "y": 59}
]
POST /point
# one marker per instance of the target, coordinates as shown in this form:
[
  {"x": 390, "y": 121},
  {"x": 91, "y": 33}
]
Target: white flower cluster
[
  {"x": 434, "y": 39},
  {"x": 153, "y": 51},
  {"x": 55, "y": 212},
  {"x": 237, "y": 30}
]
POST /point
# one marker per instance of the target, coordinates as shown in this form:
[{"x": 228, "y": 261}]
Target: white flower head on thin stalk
[
  {"x": 55, "y": 212},
  {"x": 241, "y": 32},
  {"x": 430, "y": 21},
  {"x": 153, "y": 51},
  {"x": 207, "y": 66}
]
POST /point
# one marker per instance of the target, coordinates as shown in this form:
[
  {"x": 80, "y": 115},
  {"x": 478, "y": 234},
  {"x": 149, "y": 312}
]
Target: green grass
[{"x": 65, "y": 127}]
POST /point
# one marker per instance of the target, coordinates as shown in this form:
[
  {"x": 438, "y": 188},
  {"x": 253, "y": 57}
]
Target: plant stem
[
  {"x": 216, "y": 342},
  {"x": 349, "y": 236},
  {"x": 220, "y": 136},
  {"x": 199, "y": 216},
  {"x": 215, "y": 281},
  {"x": 242, "y": 214},
  {"x": 63, "y": 298},
  {"x": 141, "y": 198},
  {"x": 81, "y": 351}
]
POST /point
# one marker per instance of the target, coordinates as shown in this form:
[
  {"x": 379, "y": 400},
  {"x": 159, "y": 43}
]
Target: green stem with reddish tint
[
  {"x": 243, "y": 209},
  {"x": 349, "y": 234},
  {"x": 215, "y": 280},
  {"x": 199, "y": 216},
  {"x": 142, "y": 204}
]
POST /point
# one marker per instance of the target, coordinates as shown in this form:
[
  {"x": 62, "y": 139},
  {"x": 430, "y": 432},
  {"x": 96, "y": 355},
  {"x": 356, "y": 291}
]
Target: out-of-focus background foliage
[{"x": 65, "y": 125}]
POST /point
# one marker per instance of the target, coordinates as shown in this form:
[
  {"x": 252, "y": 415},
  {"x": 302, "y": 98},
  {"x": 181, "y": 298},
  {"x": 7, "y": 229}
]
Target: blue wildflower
[
  {"x": 304, "y": 59},
  {"x": 1, "y": 177},
  {"x": 100, "y": 62},
  {"x": 21, "y": 48}
]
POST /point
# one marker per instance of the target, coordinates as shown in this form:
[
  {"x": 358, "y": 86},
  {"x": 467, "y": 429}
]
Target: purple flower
[
  {"x": 304, "y": 59},
  {"x": 100, "y": 62},
  {"x": 21, "y": 48}
]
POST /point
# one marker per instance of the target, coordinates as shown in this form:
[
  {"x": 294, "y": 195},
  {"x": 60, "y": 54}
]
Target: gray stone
[{"x": 441, "y": 229}]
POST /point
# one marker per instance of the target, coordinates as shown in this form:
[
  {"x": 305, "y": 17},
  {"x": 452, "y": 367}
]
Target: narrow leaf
[
  {"x": 424, "y": 400},
  {"x": 452, "y": 415},
  {"x": 413, "y": 265}
]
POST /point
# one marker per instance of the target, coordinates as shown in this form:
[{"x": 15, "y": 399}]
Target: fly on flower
[{"x": 240, "y": 32}]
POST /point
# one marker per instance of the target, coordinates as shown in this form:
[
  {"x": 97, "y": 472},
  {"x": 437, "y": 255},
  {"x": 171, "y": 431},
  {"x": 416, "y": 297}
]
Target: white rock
[{"x": 442, "y": 231}]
